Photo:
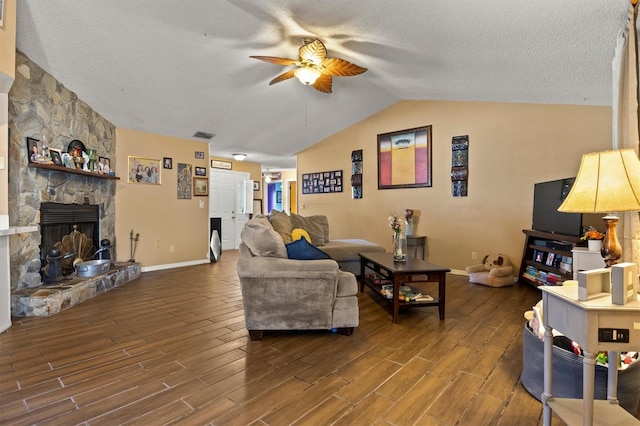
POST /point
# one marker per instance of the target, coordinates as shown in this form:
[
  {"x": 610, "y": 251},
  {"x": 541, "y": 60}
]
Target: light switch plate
[{"x": 1, "y": 163}]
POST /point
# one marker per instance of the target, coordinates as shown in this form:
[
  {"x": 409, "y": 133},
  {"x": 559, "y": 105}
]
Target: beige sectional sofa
[
  {"x": 343, "y": 251},
  {"x": 279, "y": 293}
]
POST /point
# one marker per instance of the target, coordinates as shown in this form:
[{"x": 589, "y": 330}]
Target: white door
[{"x": 223, "y": 203}]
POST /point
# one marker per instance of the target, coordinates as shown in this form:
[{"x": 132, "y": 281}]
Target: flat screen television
[{"x": 547, "y": 197}]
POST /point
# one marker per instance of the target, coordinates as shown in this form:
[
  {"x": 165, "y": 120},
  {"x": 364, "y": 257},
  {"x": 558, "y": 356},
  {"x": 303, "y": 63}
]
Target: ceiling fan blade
[
  {"x": 313, "y": 53},
  {"x": 282, "y": 77},
  {"x": 276, "y": 60},
  {"x": 323, "y": 83},
  {"x": 340, "y": 67}
]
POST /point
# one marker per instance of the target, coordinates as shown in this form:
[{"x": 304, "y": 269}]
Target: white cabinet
[{"x": 582, "y": 321}]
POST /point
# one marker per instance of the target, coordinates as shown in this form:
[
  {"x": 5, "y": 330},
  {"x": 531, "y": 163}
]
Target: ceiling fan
[{"x": 313, "y": 68}]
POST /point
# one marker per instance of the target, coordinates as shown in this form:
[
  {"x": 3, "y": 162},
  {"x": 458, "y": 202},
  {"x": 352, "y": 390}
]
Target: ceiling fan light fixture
[
  {"x": 307, "y": 75},
  {"x": 239, "y": 157}
]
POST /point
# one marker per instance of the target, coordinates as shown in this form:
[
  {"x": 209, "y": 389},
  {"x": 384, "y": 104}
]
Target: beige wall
[
  {"x": 7, "y": 75},
  {"x": 8, "y": 40},
  {"x": 512, "y": 146},
  {"x": 154, "y": 211}
]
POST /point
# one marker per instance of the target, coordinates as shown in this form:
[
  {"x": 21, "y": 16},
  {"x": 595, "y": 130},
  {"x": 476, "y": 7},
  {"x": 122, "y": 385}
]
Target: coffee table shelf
[{"x": 403, "y": 273}]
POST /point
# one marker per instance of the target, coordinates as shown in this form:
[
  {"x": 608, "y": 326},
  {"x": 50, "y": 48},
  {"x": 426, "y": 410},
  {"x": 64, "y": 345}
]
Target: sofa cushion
[
  {"x": 303, "y": 250},
  {"x": 310, "y": 225},
  {"x": 282, "y": 225},
  {"x": 298, "y": 233},
  {"x": 261, "y": 239}
]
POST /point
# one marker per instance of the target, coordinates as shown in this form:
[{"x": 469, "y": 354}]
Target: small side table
[{"x": 417, "y": 241}]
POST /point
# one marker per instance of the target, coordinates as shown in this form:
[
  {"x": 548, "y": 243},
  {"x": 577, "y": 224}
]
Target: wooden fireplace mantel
[{"x": 72, "y": 171}]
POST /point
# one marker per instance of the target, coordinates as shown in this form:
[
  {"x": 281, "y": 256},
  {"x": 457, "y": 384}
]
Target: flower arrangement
[
  {"x": 408, "y": 215},
  {"x": 395, "y": 223},
  {"x": 592, "y": 233}
]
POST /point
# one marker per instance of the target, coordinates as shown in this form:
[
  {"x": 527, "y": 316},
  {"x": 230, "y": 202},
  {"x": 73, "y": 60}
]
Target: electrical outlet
[
  {"x": 157, "y": 245},
  {"x": 474, "y": 255},
  {"x": 172, "y": 249},
  {"x": 202, "y": 204}
]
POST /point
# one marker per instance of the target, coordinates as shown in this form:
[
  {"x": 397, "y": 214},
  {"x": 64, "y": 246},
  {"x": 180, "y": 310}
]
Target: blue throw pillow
[{"x": 303, "y": 250}]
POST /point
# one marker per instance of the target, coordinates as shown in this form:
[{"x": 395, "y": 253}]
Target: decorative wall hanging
[
  {"x": 201, "y": 171},
  {"x": 404, "y": 158},
  {"x": 322, "y": 182},
  {"x": 184, "y": 181},
  {"x": 143, "y": 170},
  {"x": 459, "y": 165},
  {"x": 356, "y": 174},
  {"x": 167, "y": 163},
  {"x": 199, "y": 155},
  {"x": 217, "y": 164}
]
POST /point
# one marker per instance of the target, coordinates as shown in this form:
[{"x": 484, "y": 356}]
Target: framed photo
[
  {"x": 200, "y": 155},
  {"x": 201, "y": 171},
  {"x": 322, "y": 182},
  {"x": 185, "y": 184},
  {"x": 167, "y": 163},
  {"x": 256, "y": 185},
  {"x": 56, "y": 156},
  {"x": 200, "y": 187},
  {"x": 143, "y": 170},
  {"x": 103, "y": 166},
  {"x": 404, "y": 158},
  {"x": 34, "y": 150},
  {"x": 278, "y": 196}
]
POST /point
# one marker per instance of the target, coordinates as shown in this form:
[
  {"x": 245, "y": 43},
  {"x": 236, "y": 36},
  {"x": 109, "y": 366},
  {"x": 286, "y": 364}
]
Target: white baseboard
[
  {"x": 174, "y": 265},
  {"x": 459, "y": 272}
]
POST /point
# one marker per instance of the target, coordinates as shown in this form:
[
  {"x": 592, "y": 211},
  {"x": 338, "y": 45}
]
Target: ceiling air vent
[{"x": 203, "y": 135}]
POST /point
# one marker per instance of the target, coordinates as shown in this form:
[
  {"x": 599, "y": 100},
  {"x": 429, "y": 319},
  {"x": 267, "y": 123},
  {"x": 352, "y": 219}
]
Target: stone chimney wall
[{"x": 39, "y": 105}]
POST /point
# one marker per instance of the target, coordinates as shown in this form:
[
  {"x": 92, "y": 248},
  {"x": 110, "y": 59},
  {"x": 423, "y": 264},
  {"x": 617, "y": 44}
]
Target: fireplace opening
[{"x": 60, "y": 220}]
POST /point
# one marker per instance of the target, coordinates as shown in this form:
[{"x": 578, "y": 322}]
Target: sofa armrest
[{"x": 278, "y": 268}]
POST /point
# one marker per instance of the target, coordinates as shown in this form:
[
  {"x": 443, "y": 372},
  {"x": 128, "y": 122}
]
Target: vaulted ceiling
[{"x": 177, "y": 67}]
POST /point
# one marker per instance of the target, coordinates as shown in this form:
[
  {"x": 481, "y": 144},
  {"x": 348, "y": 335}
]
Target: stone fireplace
[{"x": 41, "y": 107}]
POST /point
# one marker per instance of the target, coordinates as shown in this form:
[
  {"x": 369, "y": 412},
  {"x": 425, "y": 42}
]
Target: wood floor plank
[{"x": 171, "y": 348}]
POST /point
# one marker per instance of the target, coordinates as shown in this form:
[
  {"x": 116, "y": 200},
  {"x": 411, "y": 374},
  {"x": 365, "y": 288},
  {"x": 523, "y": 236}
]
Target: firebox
[{"x": 58, "y": 220}]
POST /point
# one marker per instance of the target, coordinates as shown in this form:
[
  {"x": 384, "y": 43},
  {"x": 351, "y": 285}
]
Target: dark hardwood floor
[{"x": 171, "y": 348}]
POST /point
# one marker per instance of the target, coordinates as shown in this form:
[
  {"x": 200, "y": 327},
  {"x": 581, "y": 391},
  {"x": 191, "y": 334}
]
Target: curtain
[{"x": 625, "y": 120}]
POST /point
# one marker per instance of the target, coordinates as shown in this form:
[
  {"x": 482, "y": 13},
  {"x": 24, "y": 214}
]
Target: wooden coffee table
[{"x": 403, "y": 273}]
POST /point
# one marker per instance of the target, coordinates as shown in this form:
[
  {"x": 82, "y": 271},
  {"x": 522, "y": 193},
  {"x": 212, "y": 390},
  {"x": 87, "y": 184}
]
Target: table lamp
[{"x": 607, "y": 182}]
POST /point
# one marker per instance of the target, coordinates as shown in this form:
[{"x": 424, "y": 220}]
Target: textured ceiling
[{"x": 176, "y": 67}]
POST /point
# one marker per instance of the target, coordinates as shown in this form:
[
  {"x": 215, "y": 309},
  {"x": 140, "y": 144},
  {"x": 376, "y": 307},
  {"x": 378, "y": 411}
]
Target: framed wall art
[
  {"x": 200, "y": 187},
  {"x": 256, "y": 185},
  {"x": 459, "y": 165},
  {"x": 184, "y": 181},
  {"x": 404, "y": 158},
  {"x": 143, "y": 170},
  {"x": 199, "y": 155},
  {"x": 201, "y": 171},
  {"x": 167, "y": 163},
  {"x": 322, "y": 182}
]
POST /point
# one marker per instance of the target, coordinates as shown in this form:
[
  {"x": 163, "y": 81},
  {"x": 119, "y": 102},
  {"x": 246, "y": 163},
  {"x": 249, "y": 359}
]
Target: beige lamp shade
[{"x": 607, "y": 182}]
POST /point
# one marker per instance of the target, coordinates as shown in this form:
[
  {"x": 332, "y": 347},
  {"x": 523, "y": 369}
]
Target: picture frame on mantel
[{"x": 404, "y": 158}]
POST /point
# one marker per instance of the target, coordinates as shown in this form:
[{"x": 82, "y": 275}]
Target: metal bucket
[{"x": 92, "y": 268}]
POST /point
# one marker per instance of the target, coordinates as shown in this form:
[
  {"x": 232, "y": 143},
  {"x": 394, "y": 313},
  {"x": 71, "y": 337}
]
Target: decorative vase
[
  {"x": 409, "y": 227},
  {"x": 594, "y": 245},
  {"x": 399, "y": 247}
]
